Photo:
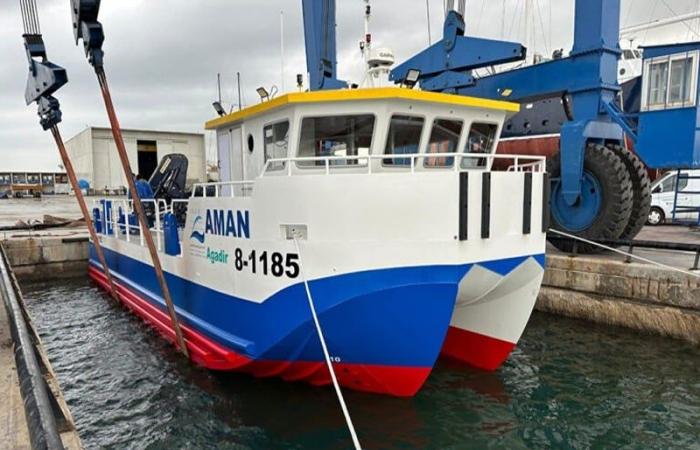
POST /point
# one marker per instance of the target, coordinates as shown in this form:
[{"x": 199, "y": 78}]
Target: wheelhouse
[{"x": 358, "y": 130}]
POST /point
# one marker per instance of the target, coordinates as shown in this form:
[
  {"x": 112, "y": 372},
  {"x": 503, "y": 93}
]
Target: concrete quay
[{"x": 637, "y": 296}]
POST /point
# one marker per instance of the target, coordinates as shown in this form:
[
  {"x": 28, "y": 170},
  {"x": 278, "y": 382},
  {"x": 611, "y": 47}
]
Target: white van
[{"x": 663, "y": 194}]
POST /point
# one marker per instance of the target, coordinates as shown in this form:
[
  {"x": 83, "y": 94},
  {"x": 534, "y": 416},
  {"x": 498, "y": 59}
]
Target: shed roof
[{"x": 653, "y": 51}]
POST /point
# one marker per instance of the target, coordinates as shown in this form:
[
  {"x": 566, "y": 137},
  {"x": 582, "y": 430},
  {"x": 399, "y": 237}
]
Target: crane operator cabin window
[
  {"x": 339, "y": 136},
  {"x": 670, "y": 82}
]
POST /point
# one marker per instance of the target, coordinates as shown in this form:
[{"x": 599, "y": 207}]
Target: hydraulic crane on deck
[{"x": 599, "y": 188}]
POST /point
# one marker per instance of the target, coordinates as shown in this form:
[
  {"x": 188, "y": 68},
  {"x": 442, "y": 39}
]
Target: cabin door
[{"x": 237, "y": 161}]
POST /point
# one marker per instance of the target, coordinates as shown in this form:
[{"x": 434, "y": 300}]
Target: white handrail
[
  {"x": 534, "y": 163},
  {"x": 220, "y": 184},
  {"x": 126, "y": 206},
  {"x": 485, "y": 162}
]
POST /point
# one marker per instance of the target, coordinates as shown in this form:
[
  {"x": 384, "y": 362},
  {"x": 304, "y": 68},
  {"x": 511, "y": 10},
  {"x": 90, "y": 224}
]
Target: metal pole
[
  {"x": 218, "y": 85},
  {"x": 282, "y": 51},
  {"x": 145, "y": 231},
  {"x": 68, "y": 165},
  {"x": 238, "y": 82},
  {"x": 427, "y": 12}
]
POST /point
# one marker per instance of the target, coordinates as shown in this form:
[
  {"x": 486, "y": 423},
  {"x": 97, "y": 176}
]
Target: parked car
[{"x": 663, "y": 195}]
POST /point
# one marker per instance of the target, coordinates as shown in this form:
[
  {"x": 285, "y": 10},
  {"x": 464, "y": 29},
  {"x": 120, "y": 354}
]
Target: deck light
[
  {"x": 264, "y": 95},
  {"x": 219, "y": 109},
  {"x": 412, "y": 78}
]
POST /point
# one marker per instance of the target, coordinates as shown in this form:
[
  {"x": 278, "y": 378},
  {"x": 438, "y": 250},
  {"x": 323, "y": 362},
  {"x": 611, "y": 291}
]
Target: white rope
[
  {"x": 649, "y": 261},
  {"x": 338, "y": 392}
]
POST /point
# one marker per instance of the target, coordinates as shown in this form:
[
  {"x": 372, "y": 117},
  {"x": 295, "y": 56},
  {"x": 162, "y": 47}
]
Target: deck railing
[
  {"x": 125, "y": 230},
  {"x": 223, "y": 189},
  {"x": 459, "y": 162}
]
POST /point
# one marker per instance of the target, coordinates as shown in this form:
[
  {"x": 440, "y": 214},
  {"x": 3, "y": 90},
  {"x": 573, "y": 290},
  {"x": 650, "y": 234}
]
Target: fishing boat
[{"x": 386, "y": 201}]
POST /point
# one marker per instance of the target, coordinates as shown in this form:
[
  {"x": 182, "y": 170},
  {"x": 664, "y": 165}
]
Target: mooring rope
[
  {"x": 621, "y": 252},
  {"x": 326, "y": 355}
]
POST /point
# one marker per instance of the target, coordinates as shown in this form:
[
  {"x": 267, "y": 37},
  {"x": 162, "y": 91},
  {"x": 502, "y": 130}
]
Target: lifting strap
[
  {"x": 45, "y": 78},
  {"x": 87, "y": 28},
  {"x": 138, "y": 206}
]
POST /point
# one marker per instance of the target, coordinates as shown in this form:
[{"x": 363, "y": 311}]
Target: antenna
[
  {"x": 238, "y": 82},
  {"x": 282, "y": 49},
  {"x": 427, "y": 12},
  {"x": 218, "y": 84}
]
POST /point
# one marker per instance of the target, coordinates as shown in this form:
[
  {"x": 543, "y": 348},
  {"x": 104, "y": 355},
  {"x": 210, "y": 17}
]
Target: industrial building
[{"x": 95, "y": 157}]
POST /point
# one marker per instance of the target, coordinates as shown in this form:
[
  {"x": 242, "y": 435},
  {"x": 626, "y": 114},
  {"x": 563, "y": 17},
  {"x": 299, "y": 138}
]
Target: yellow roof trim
[{"x": 345, "y": 95}]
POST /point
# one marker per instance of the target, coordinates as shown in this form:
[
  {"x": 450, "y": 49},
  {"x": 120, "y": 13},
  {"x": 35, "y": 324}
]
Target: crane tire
[
  {"x": 616, "y": 195},
  {"x": 641, "y": 188}
]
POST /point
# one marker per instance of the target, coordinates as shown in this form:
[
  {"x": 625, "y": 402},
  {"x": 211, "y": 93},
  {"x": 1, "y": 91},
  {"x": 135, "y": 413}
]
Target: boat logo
[{"x": 198, "y": 230}]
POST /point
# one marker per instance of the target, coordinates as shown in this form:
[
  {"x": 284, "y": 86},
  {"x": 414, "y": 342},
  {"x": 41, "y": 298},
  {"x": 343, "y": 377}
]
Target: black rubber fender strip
[
  {"x": 527, "y": 203},
  {"x": 463, "y": 206},
  {"x": 43, "y": 430},
  {"x": 486, "y": 205}
]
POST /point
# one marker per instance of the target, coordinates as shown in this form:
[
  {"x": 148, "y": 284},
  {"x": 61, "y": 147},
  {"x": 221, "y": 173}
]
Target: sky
[{"x": 162, "y": 56}]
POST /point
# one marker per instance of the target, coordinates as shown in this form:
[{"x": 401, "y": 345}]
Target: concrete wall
[
  {"x": 637, "y": 296},
  {"x": 95, "y": 156},
  {"x": 45, "y": 258}
]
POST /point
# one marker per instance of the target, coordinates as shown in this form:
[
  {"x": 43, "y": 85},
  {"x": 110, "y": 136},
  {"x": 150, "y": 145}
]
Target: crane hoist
[{"x": 599, "y": 188}]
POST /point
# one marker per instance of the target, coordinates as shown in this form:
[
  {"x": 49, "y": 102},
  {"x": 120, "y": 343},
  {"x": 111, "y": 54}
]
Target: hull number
[{"x": 267, "y": 263}]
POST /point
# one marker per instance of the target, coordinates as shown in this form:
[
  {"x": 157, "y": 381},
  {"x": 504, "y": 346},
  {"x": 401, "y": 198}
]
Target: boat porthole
[{"x": 251, "y": 143}]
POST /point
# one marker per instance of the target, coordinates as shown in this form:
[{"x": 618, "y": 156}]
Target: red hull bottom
[
  {"x": 392, "y": 380},
  {"x": 475, "y": 349}
]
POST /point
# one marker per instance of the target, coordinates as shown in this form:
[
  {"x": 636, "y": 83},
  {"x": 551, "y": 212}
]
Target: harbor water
[{"x": 569, "y": 384}]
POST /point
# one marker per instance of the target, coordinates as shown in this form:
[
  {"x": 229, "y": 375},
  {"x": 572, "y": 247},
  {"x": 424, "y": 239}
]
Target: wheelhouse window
[
  {"x": 670, "y": 81},
  {"x": 444, "y": 138},
  {"x": 276, "y": 139},
  {"x": 403, "y": 139},
  {"x": 339, "y": 136},
  {"x": 481, "y": 139}
]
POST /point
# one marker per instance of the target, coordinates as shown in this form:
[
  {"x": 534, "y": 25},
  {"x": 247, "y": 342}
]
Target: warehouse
[{"x": 95, "y": 158}]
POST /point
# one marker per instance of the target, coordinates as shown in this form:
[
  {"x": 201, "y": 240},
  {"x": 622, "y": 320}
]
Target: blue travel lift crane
[{"x": 599, "y": 188}]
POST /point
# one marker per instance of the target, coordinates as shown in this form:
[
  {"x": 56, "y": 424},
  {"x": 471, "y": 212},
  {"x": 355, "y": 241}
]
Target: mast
[
  {"x": 282, "y": 89},
  {"x": 529, "y": 24}
]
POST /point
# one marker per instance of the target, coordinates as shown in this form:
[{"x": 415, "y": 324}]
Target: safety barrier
[
  {"x": 459, "y": 162},
  {"x": 114, "y": 219}
]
